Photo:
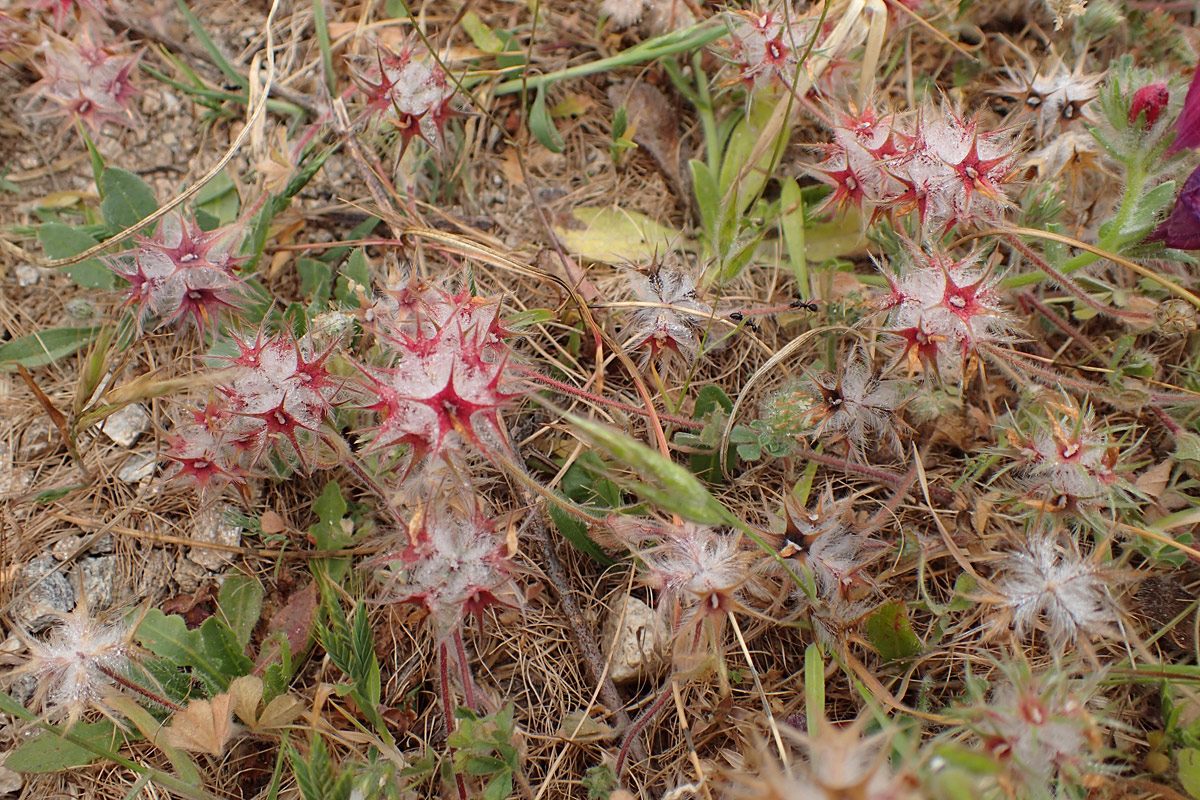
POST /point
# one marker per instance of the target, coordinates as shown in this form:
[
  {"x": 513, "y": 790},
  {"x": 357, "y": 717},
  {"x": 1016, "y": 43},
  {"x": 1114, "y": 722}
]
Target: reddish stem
[
  {"x": 644, "y": 719},
  {"x": 886, "y": 477},
  {"x": 448, "y": 712},
  {"x": 464, "y": 671},
  {"x": 1060, "y": 323},
  {"x": 124, "y": 682},
  {"x": 1066, "y": 283},
  {"x": 1054, "y": 379}
]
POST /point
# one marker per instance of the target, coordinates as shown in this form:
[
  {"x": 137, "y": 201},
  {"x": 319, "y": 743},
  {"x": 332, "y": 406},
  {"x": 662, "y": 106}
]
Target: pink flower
[
  {"x": 445, "y": 380},
  {"x": 182, "y": 271},
  {"x": 675, "y": 321},
  {"x": 408, "y": 89},
  {"x": 944, "y": 168},
  {"x": 83, "y": 79},
  {"x": 275, "y": 401},
  {"x": 1187, "y": 125},
  {"x": 1181, "y": 229},
  {"x": 767, "y": 47},
  {"x": 942, "y": 309}
]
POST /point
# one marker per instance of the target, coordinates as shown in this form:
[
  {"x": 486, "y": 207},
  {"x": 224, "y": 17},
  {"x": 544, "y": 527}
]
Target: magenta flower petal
[
  {"x": 1181, "y": 230},
  {"x": 1187, "y": 127}
]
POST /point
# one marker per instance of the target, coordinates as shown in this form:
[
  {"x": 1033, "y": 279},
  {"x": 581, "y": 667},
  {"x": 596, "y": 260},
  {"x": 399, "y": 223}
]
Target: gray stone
[
  {"x": 125, "y": 426},
  {"x": 45, "y": 589},
  {"x": 210, "y": 525},
  {"x": 13, "y": 480},
  {"x": 99, "y": 581},
  {"x": 27, "y": 275},
  {"x": 189, "y": 575},
  {"x": 37, "y": 439},
  {"x": 638, "y": 642},
  {"x": 11, "y": 781},
  {"x": 138, "y": 467},
  {"x": 64, "y": 547}
]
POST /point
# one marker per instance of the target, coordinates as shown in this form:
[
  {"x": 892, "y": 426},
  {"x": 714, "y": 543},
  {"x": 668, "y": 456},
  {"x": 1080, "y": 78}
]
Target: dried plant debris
[{"x": 628, "y": 398}]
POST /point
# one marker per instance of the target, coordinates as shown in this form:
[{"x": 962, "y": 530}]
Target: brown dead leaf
[
  {"x": 205, "y": 726},
  {"x": 1153, "y": 481},
  {"x": 273, "y": 523},
  {"x": 655, "y": 127},
  {"x": 247, "y": 692},
  {"x": 294, "y": 621}
]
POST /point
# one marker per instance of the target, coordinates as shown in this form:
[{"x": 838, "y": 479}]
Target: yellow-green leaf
[{"x": 618, "y": 236}]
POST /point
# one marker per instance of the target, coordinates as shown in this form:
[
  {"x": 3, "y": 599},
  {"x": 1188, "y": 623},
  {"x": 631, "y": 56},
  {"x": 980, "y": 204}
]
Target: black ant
[
  {"x": 807, "y": 305},
  {"x": 738, "y": 316}
]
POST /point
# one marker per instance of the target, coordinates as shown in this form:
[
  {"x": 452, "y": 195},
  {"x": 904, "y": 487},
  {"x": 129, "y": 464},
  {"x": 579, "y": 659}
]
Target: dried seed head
[
  {"x": 1047, "y": 584},
  {"x": 75, "y": 666},
  {"x": 452, "y": 564},
  {"x": 675, "y": 323}
]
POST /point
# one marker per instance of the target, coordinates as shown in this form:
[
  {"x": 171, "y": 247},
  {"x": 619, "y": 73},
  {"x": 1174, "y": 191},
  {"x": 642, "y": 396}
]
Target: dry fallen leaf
[
  {"x": 1153, "y": 481},
  {"x": 247, "y": 692},
  {"x": 205, "y": 726}
]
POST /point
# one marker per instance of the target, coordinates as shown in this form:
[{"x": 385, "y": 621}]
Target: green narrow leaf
[
  {"x": 198, "y": 30},
  {"x": 45, "y": 347},
  {"x": 708, "y": 195},
  {"x": 127, "y": 199},
  {"x": 240, "y": 600},
  {"x": 542, "y": 126},
  {"x": 575, "y": 531},
  {"x": 679, "y": 491},
  {"x": 47, "y": 752},
  {"x": 481, "y": 35},
  {"x": 814, "y": 686},
  {"x": 63, "y": 241},
  {"x": 791, "y": 225},
  {"x": 321, "y": 23},
  {"x": 891, "y": 633}
]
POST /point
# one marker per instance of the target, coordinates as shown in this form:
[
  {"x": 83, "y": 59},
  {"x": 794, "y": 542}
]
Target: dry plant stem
[
  {"x": 1132, "y": 266},
  {"x": 566, "y": 388},
  {"x": 448, "y": 711},
  {"x": 1069, "y": 285},
  {"x": 199, "y": 55},
  {"x": 583, "y": 634},
  {"x": 1070, "y": 330},
  {"x": 644, "y": 719},
  {"x": 381, "y": 193},
  {"x": 886, "y": 477}
]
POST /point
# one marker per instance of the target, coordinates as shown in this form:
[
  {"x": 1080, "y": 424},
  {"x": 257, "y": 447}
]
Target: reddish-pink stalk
[
  {"x": 1052, "y": 378},
  {"x": 1069, "y": 285},
  {"x": 464, "y": 671},
  {"x": 1070, "y": 330},
  {"x": 644, "y": 719},
  {"x": 448, "y": 712},
  {"x": 886, "y": 477},
  {"x": 124, "y": 682}
]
